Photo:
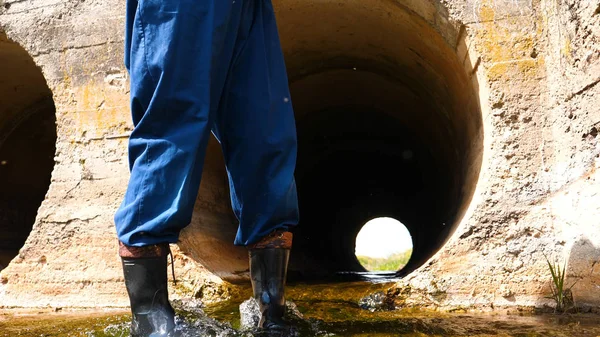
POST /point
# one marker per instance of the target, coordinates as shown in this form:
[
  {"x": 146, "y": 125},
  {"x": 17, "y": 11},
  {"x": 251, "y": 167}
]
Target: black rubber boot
[
  {"x": 268, "y": 270},
  {"x": 146, "y": 282}
]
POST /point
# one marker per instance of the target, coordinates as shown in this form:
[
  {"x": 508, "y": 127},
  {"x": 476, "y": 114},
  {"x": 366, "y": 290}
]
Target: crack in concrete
[
  {"x": 62, "y": 50},
  {"x": 8, "y": 13},
  {"x": 68, "y": 221},
  {"x": 584, "y": 89}
]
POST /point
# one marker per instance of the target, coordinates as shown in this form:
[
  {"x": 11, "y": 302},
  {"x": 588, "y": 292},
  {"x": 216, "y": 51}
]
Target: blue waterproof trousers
[{"x": 197, "y": 66}]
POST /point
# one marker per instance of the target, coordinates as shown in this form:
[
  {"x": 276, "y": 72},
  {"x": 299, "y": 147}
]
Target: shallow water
[
  {"x": 334, "y": 310},
  {"x": 325, "y": 309}
]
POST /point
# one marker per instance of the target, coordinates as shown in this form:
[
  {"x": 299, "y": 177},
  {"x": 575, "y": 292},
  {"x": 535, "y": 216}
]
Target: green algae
[
  {"x": 74, "y": 324},
  {"x": 328, "y": 309},
  {"x": 334, "y": 308}
]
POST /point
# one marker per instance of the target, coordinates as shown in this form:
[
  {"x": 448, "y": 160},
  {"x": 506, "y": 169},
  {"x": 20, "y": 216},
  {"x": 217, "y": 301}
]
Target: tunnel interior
[
  {"x": 356, "y": 164},
  {"x": 388, "y": 123},
  {"x": 388, "y": 126},
  {"x": 27, "y": 145}
]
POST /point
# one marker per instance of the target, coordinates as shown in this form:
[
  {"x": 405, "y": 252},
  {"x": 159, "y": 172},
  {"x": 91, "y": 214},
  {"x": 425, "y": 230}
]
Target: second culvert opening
[{"x": 27, "y": 145}]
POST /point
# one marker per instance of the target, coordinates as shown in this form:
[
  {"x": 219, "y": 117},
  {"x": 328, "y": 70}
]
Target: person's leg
[
  {"x": 175, "y": 48},
  {"x": 176, "y": 54},
  {"x": 256, "y": 127}
]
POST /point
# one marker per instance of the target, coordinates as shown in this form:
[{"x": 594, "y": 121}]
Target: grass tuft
[{"x": 561, "y": 294}]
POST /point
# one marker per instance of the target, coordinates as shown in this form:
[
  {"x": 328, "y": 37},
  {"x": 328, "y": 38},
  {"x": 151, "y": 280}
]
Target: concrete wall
[
  {"x": 535, "y": 65},
  {"x": 537, "y": 194}
]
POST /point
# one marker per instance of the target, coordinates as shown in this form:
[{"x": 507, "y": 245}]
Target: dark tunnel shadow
[
  {"x": 351, "y": 169},
  {"x": 356, "y": 170},
  {"x": 27, "y": 145}
]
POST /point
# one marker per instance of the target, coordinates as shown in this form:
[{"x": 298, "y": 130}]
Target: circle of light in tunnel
[{"x": 383, "y": 244}]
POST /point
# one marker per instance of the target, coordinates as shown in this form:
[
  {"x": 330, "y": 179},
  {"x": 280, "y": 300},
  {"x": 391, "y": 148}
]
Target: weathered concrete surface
[
  {"x": 534, "y": 63},
  {"x": 538, "y": 191}
]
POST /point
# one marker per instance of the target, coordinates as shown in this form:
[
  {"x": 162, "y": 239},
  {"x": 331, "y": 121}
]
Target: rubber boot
[
  {"x": 268, "y": 269},
  {"x": 145, "y": 271}
]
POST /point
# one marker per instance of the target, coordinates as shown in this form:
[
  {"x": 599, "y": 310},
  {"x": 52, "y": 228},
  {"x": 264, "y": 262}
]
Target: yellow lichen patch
[
  {"x": 506, "y": 47},
  {"x": 567, "y": 49},
  {"x": 515, "y": 70},
  {"x": 98, "y": 111}
]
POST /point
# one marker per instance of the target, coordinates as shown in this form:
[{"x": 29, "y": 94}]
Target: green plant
[{"x": 560, "y": 294}]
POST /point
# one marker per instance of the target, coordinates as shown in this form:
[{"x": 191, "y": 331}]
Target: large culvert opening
[
  {"x": 27, "y": 145},
  {"x": 388, "y": 125}
]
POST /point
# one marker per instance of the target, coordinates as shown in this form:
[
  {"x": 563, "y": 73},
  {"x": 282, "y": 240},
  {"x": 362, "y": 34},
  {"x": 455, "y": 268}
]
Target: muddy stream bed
[{"x": 323, "y": 309}]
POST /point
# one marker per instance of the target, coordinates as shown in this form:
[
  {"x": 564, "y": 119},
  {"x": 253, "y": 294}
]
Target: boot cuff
[
  {"x": 158, "y": 250},
  {"x": 277, "y": 239}
]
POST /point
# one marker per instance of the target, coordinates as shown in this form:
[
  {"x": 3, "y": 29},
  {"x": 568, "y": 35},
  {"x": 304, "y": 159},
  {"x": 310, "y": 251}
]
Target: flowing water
[{"x": 321, "y": 309}]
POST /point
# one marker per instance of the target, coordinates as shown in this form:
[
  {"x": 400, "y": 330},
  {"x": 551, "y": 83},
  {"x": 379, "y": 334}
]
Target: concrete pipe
[{"x": 388, "y": 125}]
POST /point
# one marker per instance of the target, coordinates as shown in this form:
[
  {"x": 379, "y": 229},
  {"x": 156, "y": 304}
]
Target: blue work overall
[{"x": 198, "y": 66}]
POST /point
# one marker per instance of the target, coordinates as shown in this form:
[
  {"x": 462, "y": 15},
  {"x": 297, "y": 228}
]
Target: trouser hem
[
  {"x": 277, "y": 239},
  {"x": 158, "y": 250}
]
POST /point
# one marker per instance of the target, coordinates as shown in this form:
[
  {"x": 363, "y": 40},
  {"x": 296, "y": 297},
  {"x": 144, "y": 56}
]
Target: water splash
[{"x": 160, "y": 323}]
